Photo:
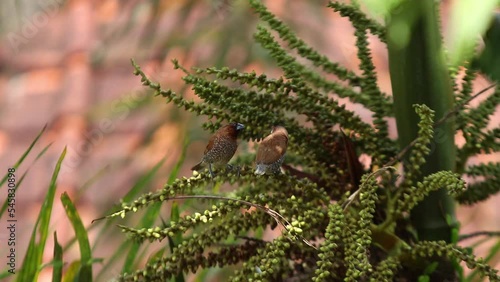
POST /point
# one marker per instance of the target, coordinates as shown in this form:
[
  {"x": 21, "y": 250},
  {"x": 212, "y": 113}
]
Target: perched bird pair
[{"x": 222, "y": 146}]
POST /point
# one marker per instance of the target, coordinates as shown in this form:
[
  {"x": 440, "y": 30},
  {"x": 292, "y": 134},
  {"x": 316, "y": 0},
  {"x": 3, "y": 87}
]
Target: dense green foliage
[{"x": 333, "y": 226}]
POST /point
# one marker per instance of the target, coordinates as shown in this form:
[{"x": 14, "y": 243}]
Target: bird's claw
[
  {"x": 212, "y": 175},
  {"x": 231, "y": 168}
]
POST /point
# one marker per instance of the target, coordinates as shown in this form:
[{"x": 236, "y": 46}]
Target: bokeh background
[{"x": 66, "y": 64}]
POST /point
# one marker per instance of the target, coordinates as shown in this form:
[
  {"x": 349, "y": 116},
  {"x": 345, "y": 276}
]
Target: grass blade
[
  {"x": 138, "y": 187},
  {"x": 58, "y": 262},
  {"x": 85, "y": 272},
  {"x": 71, "y": 274},
  {"x": 18, "y": 184},
  {"x": 43, "y": 151},
  {"x": 174, "y": 241},
  {"x": 177, "y": 167},
  {"x": 146, "y": 221},
  {"x": 33, "y": 258},
  {"x": 25, "y": 154},
  {"x": 87, "y": 184},
  {"x": 153, "y": 212}
]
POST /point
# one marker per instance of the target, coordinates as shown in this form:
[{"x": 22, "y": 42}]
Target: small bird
[
  {"x": 271, "y": 152},
  {"x": 221, "y": 147}
]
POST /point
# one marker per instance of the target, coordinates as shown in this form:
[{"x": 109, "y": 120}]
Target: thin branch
[
  {"x": 274, "y": 214},
  {"x": 252, "y": 239},
  {"x": 479, "y": 233},
  {"x": 301, "y": 174},
  {"x": 448, "y": 115},
  {"x": 459, "y": 107},
  {"x": 355, "y": 195}
]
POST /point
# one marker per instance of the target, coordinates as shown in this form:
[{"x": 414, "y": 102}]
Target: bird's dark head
[
  {"x": 233, "y": 128},
  {"x": 237, "y": 126}
]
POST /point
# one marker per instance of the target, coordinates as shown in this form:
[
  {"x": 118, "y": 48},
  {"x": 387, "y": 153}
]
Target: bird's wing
[
  {"x": 271, "y": 149},
  {"x": 211, "y": 143}
]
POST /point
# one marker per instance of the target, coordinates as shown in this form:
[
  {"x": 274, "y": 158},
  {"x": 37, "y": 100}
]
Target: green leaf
[
  {"x": 152, "y": 212},
  {"x": 25, "y": 154},
  {"x": 57, "y": 261},
  {"x": 381, "y": 8},
  {"x": 424, "y": 278},
  {"x": 174, "y": 211},
  {"x": 20, "y": 181},
  {"x": 424, "y": 79},
  {"x": 5, "y": 275},
  {"x": 468, "y": 22},
  {"x": 430, "y": 268},
  {"x": 175, "y": 216},
  {"x": 123, "y": 250},
  {"x": 488, "y": 61},
  {"x": 19, "y": 162},
  {"x": 33, "y": 258},
  {"x": 177, "y": 167},
  {"x": 43, "y": 151},
  {"x": 146, "y": 221},
  {"x": 72, "y": 272},
  {"x": 156, "y": 255},
  {"x": 85, "y": 272}
]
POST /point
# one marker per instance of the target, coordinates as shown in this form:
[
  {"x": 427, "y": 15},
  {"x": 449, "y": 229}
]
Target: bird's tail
[{"x": 199, "y": 166}]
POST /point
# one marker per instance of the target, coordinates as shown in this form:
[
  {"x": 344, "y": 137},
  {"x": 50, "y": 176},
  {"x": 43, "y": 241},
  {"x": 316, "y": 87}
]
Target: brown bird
[
  {"x": 271, "y": 152},
  {"x": 221, "y": 147}
]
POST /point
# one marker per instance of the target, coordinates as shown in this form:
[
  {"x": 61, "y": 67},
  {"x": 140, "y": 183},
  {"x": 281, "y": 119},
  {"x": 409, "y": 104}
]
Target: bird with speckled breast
[
  {"x": 271, "y": 152},
  {"x": 221, "y": 147}
]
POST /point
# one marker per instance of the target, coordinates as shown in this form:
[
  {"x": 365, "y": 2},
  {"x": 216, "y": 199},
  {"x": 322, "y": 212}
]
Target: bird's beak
[{"x": 239, "y": 126}]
